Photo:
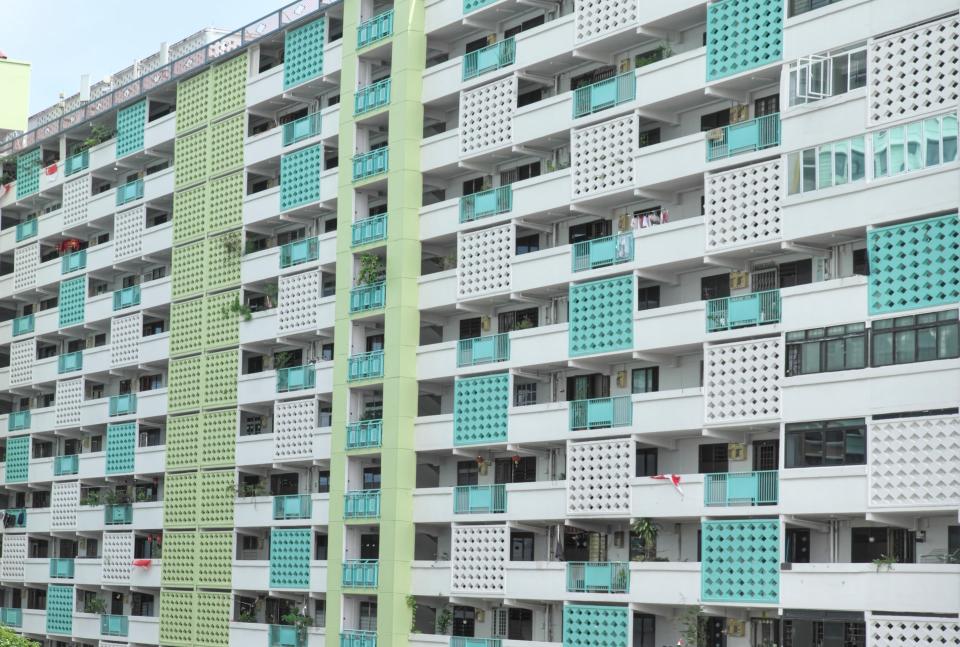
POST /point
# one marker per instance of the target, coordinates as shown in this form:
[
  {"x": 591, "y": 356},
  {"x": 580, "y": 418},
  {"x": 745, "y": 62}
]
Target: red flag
[
  {"x": 673, "y": 478},
  {"x": 142, "y": 562}
]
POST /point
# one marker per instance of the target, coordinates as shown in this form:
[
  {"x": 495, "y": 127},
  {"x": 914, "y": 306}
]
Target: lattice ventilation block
[
  {"x": 213, "y": 619},
  {"x": 220, "y": 378},
  {"x": 594, "y": 18},
  {"x": 601, "y": 316},
  {"x": 76, "y": 193},
  {"x": 26, "y": 260},
  {"x": 219, "y": 440},
  {"x": 126, "y": 339},
  {"x": 23, "y": 355},
  {"x": 129, "y": 227},
  {"x": 185, "y": 390},
  {"x": 116, "y": 564},
  {"x": 192, "y": 159},
  {"x": 225, "y": 203},
  {"x": 131, "y": 122},
  {"x": 187, "y": 326},
  {"x": 189, "y": 221},
  {"x": 189, "y": 264},
  {"x": 64, "y": 501},
  {"x": 60, "y": 609},
  {"x": 177, "y": 617},
  {"x": 598, "y": 477},
  {"x": 14, "y": 556},
  {"x": 290, "y": 558},
  {"x": 221, "y": 325},
  {"x": 228, "y": 92},
  {"x": 223, "y": 260},
  {"x": 295, "y": 423},
  {"x": 18, "y": 459},
  {"x": 740, "y": 560},
  {"x": 183, "y": 441},
  {"x": 743, "y": 206},
  {"x": 486, "y": 116},
  {"x": 741, "y": 381},
  {"x": 596, "y": 626},
  {"x": 217, "y": 491},
  {"x": 602, "y": 156},
  {"x": 72, "y": 302},
  {"x": 298, "y": 296},
  {"x": 215, "y": 559},
  {"x": 300, "y": 177},
  {"x": 485, "y": 261},
  {"x": 121, "y": 447},
  {"x": 743, "y": 35},
  {"x": 193, "y": 102},
  {"x": 179, "y": 567},
  {"x": 303, "y": 53},
  {"x": 226, "y": 144},
  {"x": 479, "y": 557},
  {"x": 480, "y": 406},
  {"x": 28, "y": 173},
  {"x": 68, "y": 396},
  {"x": 915, "y": 462},
  {"x": 180, "y": 500},
  {"x": 912, "y": 631}
]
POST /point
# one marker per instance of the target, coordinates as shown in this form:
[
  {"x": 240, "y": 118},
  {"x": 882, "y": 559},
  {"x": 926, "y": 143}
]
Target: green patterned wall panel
[
  {"x": 193, "y": 102},
  {"x": 180, "y": 500},
  {"x": 60, "y": 609},
  {"x": 28, "y": 173},
  {"x": 480, "y": 409},
  {"x": 225, "y": 206},
  {"x": 131, "y": 122},
  {"x": 220, "y": 378},
  {"x": 179, "y": 565},
  {"x": 213, "y": 619},
  {"x": 596, "y": 626},
  {"x": 189, "y": 208},
  {"x": 186, "y": 326},
  {"x": 183, "y": 441},
  {"x": 290, "y": 558},
  {"x": 121, "y": 445},
  {"x": 914, "y": 264},
  {"x": 228, "y": 87},
  {"x": 300, "y": 177},
  {"x": 176, "y": 617},
  {"x": 221, "y": 327},
  {"x": 216, "y": 497},
  {"x": 188, "y": 270},
  {"x": 219, "y": 439},
  {"x": 18, "y": 459},
  {"x": 601, "y": 316},
  {"x": 303, "y": 53},
  {"x": 186, "y": 383},
  {"x": 191, "y": 159},
  {"x": 742, "y": 35},
  {"x": 226, "y": 144},
  {"x": 740, "y": 560},
  {"x": 73, "y": 298},
  {"x": 223, "y": 260},
  {"x": 214, "y": 559}
]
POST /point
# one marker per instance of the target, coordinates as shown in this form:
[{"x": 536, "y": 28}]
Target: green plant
[
  {"x": 885, "y": 562},
  {"x": 412, "y": 605},
  {"x": 270, "y": 290},
  {"x": 10, "y": 639},
  {"x": 90, "y": 498},
  {"x": 98, "y": 135},
  {"x": 282, "y": 359},
  {"x": 237, "y": 309},
  {"x": 113, "y": 497},
  {"x": 232, "y": 244},
  {"x": 247, "y": 616},
  {"x": 647, "y": 531},
  {"x": 443, "y": 620},
  {"x": 298, "y": 620},
  {"x": 691, "y": 627},
  {"x": 524, "y": 324},
  {"x": 94, "y": 605},
  {"x": 142, "y": 495},
  {"x": 371, "y": 269}
]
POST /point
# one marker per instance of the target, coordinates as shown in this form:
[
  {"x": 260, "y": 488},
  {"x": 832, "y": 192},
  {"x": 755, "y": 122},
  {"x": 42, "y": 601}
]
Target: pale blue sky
[{"x": 63, "y": 39}]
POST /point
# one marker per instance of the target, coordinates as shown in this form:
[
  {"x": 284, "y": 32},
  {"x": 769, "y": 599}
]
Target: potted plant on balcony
[
  {"x": 237, "y": 309},
  {"x": 300, "y": 621},
  {"x": 95, "y": 605},
  {"x": 646, "y": 531},
  {"x": 443, "y": 620},
  {"x": 371, "y": 269}
]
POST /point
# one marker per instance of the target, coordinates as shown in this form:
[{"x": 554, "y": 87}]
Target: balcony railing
[
  {"x": 26, "y": 229},
  {"x": 365, "y": 366},
  {"x": 368, "y": 297},
  {"x": 73, "y": 261},
  {"x": 117, "y": 514},
  {"x": 113, "y": 625},
  {"x": 17, "y": 517},
  {"x": 285, "y": 636},
  {"x": 744, "y": 137},
  {"x": 486, "y": 203},
  {"x": 600, "y": 413},
  {"x": 356, "y": 638},
  {"x": 292, "y": 506},
  {"x": 598, "y": 577},
  {"x": 364, "y": 435},
  {"x": 369, "y": 230},
  {"x": 23, "y": 325},
  {"x": 369, "y": 164},
  {"x": 123, "y": 405},
  {"x": 492, "y": 57},
  {"x": 741, "y": 488},
  {"x": 757, "y": 309},
  {"x": 76, "y": 163},
  {"x": 602, "y": 252},
  {"x": 18, "y": 420},
  {"x": 483, "y": 350},
  {"x": 69, "y": 362},
  {"x": 604, "y": 94},
  {"x": 61, "y": 568},
  {"x": 361, "y": 504},
  {"x": 299, "y": 251},
  {"x": 377, "y": 28},
  {"x": 126, "y": 298},
  {"x": 480, "y": 499},
  {"x": 11, "y": 617},
  {"x": 370, "y": 97},
  {"x": 66, "y": 464},
  {"x": 302, "y": 128},
  {"x": 129, "y": 192},
  {"x": 296, "y": 378},
  {"x": 360, "y": 573},
  {"x": 463, "y": 641}
]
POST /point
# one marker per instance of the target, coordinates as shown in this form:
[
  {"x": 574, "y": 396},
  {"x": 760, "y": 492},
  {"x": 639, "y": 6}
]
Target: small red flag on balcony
[
  {"x": 673, "y": 478},
  {"x": 145, "y": 563}
]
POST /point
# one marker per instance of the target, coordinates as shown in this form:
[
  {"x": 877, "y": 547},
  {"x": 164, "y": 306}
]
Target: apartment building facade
[{"x": 492, "y": 323}]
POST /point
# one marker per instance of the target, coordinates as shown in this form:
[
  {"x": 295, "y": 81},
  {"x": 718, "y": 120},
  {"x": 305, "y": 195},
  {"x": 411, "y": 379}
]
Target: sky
[{"x": 63, "y": 39}]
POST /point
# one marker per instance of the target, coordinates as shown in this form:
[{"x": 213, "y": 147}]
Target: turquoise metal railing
[
  {"x": 129, "y": 192},
  {"x": 741, "y": 488},
  {"x": 365, "y": 366},
  {"x": 73, "y": 261},
  {"x": 604, "y": 94},
  {"x": 26, "y": 229},
  {"x": 365, "y": 434},
  {"x": 368, "y": 297},
  {"x": 360, "y": 573},
  {"x": 299, "y": 251},
  {"x": 18, "y": 420},
  {"x": 744, "y": 137},
  {"x": 480, "y": 499},
  {"x": 602, "y": 252},
  {"x": 296, "y": 378},
  {"x": 377, "y": 28},
  {"x": 361, "y": 504},
  {"x": 601, "y": 412},
  {"x": 117, "y": 514},
  {"x": 462, "y": 641},
  {"x": 61, "y": 568},
  {"x": 598, "y": 577},
  {"x": 483, "y": 350},
  {"x": 76, "y": 163},
  {"x": 369, "y": 164},
  {"x": 23, "y": 325},
  {"x": 123, "y": 405},
  {"x": 756, "y": 309},
  {"x": 292, "y": 506},
  {"x": 486, "y": 203},
  {"x": 358, "y": 638},
  {"x": 491, "y": 57},
  {"x": 370, "y": 97},
  {"x": 113, "y": 625},
  {"x": 126, "y": 297},
  {"x": 19, "y": 517},
  {"x": 285, "y": 636},
  {"x": 69, "y": 362},
  {"x": 302, "y": 128},
  {"x": 369, "y": 230},
  {"x": 11, "y": 617},
  {"x": 66, "y": 464}
]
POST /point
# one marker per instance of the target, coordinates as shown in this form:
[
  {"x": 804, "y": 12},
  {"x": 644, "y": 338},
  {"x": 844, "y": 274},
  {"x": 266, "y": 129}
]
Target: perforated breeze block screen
[
  {"x": 740, "y": 560},
  {"x": 479, "y": 558},
  {"x": 480, "y": 407},
  {"x": 742, "y": 35},
  {"x": 601, "y": 316},
  {"x": 596, "y": 626}
]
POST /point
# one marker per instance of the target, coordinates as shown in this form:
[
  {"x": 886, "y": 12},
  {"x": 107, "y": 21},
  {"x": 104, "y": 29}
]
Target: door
[
  {"x": 521, "y": 547},
  {"x": 371, "y": 478},
  {"x": 464, "y": 621},
  {"x": 797, "y": 546},
  {"x": 116, "y": 604},
  {"x": 714, "y": 631},
  {"x": 766, "y": 455},
  {"x": 520, "y": 624},
  {"x": 369, "y": 546}
]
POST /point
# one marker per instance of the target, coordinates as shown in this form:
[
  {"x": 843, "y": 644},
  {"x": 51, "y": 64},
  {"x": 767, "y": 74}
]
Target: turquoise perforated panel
[
  {"x": 596, "y": 626},
  {"x": 130, "y": 124},
  {"x": 480, "y": 409},
  {"x": 601, "y": 316},
  {"x": 742, "y": 35},
  {"x": 28, "y": 174},
  {"x": 290, "y": 558},
  {"x": 73, "y": 296},
  {"x": 18, "y": 459},
  {"x": 914, "y": 264},
  {"x": 740, "y": 560},
  {"x": 300, "y": 177},
  {"x": 121, "y": 443},
  {"x": 59, "y": 609},
  {"x": 303, "y": 53}
]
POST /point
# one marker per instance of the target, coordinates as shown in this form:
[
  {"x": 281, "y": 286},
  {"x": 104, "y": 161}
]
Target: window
[
  {"x": 798, "y": 7},
  {"x": 868, "y": 544},
  {"x": 521, "y": 546},
  {"x": 529, "y": 23},
  {"x": 712, "y": 458},
  {"x": 826, "y": 443},
  {"x": 522, "y": 172},
  {"x": 766, "y": 106},
  {"x": 476, "y": 44},
  {"x": 861, "y": 263},
  {"x": 796, "y": 273},
  {"x": 374, "y": 343},
  {"x": 527, "y": 244},
  {"x": 648, "y": 298},
  {"x": 520, "y": 624},
  {"x": 827, "y": 165},
  {"x": 518, "y": 319},
  {"x": 645, "y": 380},
  {"x": 525, "y": 394},
  {"x": 594, "y": 76},
  {"x": 797, "y": 546},
  {"x": 917, "y": 338},
  {"x": 323, "y": 481},
  {"x": 716, "y": 119},
  {"x": 821, "y": 350},
  {"x": 915, "y": 146},
  {"x": 647, "y": 461},
  {"x": 464, "y": 621},
  {"x": 644, "y": 630},
  {"x": 590, "y": 231},
  {"x": 648, "y": 137},
  {"x": 472, "y": 186},
  {"x": 368, "y": 616},
  {"x": 825, "y": 75},
  {"x": 470, "y": 328},
  {"x": 586, "y": 387},
  {"x": 467, "y": 473},
  {"x": 371, "y": 478},
  {"x": 531, "y": 96},
  {"x": 508, "y": 470},
  {"x": 714, "y": 287}
]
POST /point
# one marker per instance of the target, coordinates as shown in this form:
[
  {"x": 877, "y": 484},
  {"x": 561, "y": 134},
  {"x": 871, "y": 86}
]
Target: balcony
[
  {"x": 757, "y": 309},
  {"x": 18, "y": 517},
  {"x": 70, "y": 362},
  {"x": 292, "y": 506},
  {"x": 484, "y": 204},
  {"x": 64, "y": 465},
  {"x": 360, "y": 573},
  {"x": 367, "y": 165},
  {"x": 364, "y": 435},
  {"x": 362, "y": 504},
  {"x": 598, "y": 577},
  {"x": 368, "y": 297},
  {"x": 18, "y": 420},
  {"x": 602, "y": 252},
  {"x": 284, "y": 636},
  {"x": 129, "y": 192},
  {"x": 76, "y": 163},
  {"x": 741, "y": 488},
  {"x": 11, "y": 617},
  {"x": 123, "y": 405},
  {"x": 113, "y": 625},
  {"x": 371, "y": 97},
  {"x": 354, "y": 638},
  {"x": 118, "y": 514},
  {"x": 61, "y": 568},
  {"x": 365, "y": 366},
  {"x": 744, "y": 137},
  {"x": 483, "y": 350},
  {"x": 492, "y": 57},
  {"x": 296, "y": 378},
  {"x": 300, "y": 251},
  {"x": 375, "y": 29},
  {"x": 23, "y": 325},
  {"x": 463, "y": 641},
  {"x": 126, "y": 298},
  {"x": 369, "y": 230},
  {"x": 26, "y": 229},
  {"x": 480, "y": 499},
  {"x": 604, "y": 94},
  {"x": 601, "y": 413},
  {"x": 301, "y": 129}
]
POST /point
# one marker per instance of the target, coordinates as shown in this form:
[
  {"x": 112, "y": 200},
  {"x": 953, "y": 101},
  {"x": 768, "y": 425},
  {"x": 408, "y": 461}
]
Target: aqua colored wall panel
[
  {"x": 185, "y": 390},
  {"x": 179, "y": 566},
  {"x": 742, "y": 35},
  {"x": 300, "y": 177},
  {"x": 183, "y": 441},
  {"x": 189, "y": 209},
  {"x": 740, "y": 560},
  {"x": 72, "y": 301},
  {"x": 596, "y": 626},
  {"x": 186, "y": 326},
  {"x": 220, "y": 378},
  {"x": 177, "y": 617},
  {"x": 214, "y": 559},
  {"x": 225, "y": 203},
  {"x": 28, "y": 173},
  {"x": 191, "y": 158},
  {"x": 216, "y": 494},
  {"x": 303, "y": 53},
  {"x": 221, "y": 327},
  {"x": 193, "y": 101},
  {"x": 18, "y": 459},
  {"x": 121, "y": 445},
  {"x": 219, "y": 441},
  {"x": 188, "y": 270},
  {"x": 601, "y": 316},
  {"x": 914, "y": 264},
  {"x": 480, "y": 409},
  {"x": 228, "y": 86},
  {"x": 180, "y": 500},
  {"x": 226, "y": 144},
  {"x": 290, "y": 558},
  {"x": 212, "y": 628},
  {"x": 223, "y": 260},
  {"x": 131, "y": 122},
  {"x": 60, "y": 609}
]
